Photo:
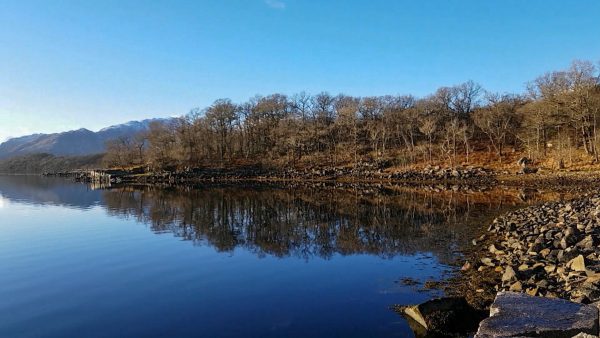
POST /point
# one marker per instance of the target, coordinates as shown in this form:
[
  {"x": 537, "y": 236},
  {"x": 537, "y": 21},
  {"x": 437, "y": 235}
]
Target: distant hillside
[
  {"x": 71, "y": 143},
  {"x": 42, "y": 163}
]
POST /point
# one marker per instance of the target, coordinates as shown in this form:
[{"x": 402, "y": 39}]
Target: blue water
[{"x": 235, "y": 262}]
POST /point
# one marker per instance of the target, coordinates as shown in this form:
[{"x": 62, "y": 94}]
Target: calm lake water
[{"x": 224, "y": 261}]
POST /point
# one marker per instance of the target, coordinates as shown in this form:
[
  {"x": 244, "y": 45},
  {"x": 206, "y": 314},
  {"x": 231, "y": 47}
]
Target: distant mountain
[{"x": 71, "y": 143}]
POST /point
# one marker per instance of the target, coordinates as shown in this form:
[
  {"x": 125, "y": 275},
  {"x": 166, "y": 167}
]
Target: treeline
[
  {"x": 47, "y": 163},
  {"x": 558, "y": 115}
]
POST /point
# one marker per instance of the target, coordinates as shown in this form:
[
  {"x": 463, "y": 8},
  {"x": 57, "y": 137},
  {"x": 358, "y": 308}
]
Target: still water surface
[{"x": 224, "y": 261}]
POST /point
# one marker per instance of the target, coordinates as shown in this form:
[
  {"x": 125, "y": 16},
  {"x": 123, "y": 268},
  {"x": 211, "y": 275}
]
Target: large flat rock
[{"x": 520, "y": 315}]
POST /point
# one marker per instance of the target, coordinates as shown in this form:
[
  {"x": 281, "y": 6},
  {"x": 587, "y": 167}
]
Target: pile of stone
[
  {"x": 549, "y": 250},
  {"x": 313, "y": 173},
  {"x": 526, "y": 165},
  {"x": 439, "y": 173},
  {"x": 200, "y": 174},
  {"x": 377, "y": 171},
  {"x": 373, "y": 169}
]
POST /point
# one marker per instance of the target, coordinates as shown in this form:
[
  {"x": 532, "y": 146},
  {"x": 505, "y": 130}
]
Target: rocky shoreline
[
  {"x": 533, "y": 269},
  {"x": 550, "y": 250},
  {"x": 364, "y": 173}
]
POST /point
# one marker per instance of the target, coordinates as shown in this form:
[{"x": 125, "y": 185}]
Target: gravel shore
[{"x": 550, "y": 250}]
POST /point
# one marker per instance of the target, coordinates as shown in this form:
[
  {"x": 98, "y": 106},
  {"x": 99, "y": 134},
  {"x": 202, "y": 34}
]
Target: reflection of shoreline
[
  {"x": 38, "y": 190},
  {"x": 314, "y": 222},
  {"x": 99, "y": 185},
  {"x": 304, "y": 221}
]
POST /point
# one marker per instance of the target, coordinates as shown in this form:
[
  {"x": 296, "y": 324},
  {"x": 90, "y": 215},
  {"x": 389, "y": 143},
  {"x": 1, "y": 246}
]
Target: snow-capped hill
[
  {"x": 133, "y": 125},
  {"x": 74, "y": 142}
]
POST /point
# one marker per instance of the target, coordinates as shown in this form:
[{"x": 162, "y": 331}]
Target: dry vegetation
[{"x": 554, "y": 122}]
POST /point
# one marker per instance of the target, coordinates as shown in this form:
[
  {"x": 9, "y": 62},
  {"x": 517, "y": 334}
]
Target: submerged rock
[{"x": 519, "y": 315}]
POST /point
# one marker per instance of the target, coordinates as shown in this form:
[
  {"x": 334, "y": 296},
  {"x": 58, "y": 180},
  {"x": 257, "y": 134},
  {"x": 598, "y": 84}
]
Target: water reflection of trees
[{"x": 313, "y": 221}]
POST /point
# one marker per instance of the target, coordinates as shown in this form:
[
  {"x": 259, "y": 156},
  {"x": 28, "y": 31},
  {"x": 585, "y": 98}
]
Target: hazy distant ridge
[{"x": 71, "y": 143}]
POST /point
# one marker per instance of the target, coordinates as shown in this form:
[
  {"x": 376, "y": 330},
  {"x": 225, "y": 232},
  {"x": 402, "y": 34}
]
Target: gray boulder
[
  {"x": 524, "y": 162},
  {"x": 520, "y": 315}
]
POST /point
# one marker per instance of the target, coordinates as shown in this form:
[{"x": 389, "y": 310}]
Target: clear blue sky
[{"x": 71, "y": 64}]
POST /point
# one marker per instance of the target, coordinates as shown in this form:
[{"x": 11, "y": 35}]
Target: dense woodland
[{"x": 556, "y": 117}]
